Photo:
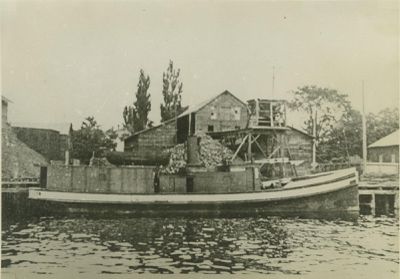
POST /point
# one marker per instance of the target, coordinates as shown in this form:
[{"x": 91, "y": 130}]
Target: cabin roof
[{"x": 390, "y": 140}]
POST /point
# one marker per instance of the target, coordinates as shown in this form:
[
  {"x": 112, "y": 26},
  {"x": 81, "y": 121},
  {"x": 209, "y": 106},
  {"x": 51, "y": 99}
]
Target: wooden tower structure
[{"x": 264, "y": 140}]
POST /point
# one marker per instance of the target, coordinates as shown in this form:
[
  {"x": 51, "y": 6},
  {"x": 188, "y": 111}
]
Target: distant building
[
  {"x": 17, "y": 159},
  {"x": 300, "y": 144},
  {"x": 50, "y": 140},
  {"x": 385, "y": 150}
]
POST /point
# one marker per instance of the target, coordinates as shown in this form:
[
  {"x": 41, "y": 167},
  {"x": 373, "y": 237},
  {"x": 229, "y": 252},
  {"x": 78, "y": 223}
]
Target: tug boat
[
  {"x": 128, "y": 191},
  {"x": 232, "y": 189}
]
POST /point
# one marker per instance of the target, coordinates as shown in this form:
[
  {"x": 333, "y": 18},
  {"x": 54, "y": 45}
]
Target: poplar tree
[
  {"x": 136, "y": 116},
  {"x": 172, "y": 90}
]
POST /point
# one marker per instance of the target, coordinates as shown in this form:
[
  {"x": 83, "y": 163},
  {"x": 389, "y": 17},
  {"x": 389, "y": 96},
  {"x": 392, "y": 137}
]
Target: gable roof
[
  {"x": 389, "y": 140},
  {"x": 201, "y": 105},
  {"x": 150, "y": 129},
  {"x": 188, "y": 110}
]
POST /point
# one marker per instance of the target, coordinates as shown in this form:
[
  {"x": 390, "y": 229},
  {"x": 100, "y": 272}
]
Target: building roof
[
  {"x": 389, "y": 140},
  {"x": 63, "y": 128},
  {"x": 150, "y": 129},
  {"x": 300, "y": 131},
  {"x": 188, "y": 110},
  {"x": 201, "y": 105}
]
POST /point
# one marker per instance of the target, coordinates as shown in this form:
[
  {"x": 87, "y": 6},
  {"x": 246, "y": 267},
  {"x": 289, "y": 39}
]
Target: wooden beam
[
  {"x": 249, "y": 155},
  {"x": 273, "y": 152},
  {"x": 255, "y": 139},
  {"x": 240, "y": 146},
  {"x": 189, "y": 124},
  {"x": 259, "y": 147}
]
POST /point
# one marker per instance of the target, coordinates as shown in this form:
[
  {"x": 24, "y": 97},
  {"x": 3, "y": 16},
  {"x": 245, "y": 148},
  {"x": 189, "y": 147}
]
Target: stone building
[{"x": 50, "y": 140}]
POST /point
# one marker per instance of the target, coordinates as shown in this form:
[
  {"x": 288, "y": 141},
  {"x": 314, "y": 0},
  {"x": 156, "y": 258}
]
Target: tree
[
  {"x": 324, "y": 105},
  {"x": 172, "y": 90},
  {"x": 136, "y": 116},
  {"x": 345, "y": 138},
  {"x": 91, "y": 139},
  {"x": 382, "y": 124}
]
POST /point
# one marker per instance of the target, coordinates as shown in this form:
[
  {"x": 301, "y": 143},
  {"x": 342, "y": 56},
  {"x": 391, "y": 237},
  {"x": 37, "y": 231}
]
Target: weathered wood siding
[
  {"x": 213, "y": 182},
  {"x": 151, "y": 144},
  {"x": 300, "y": 145},
  {"x": 224, "y": 113},
  {"x": 84, "y": 179}
]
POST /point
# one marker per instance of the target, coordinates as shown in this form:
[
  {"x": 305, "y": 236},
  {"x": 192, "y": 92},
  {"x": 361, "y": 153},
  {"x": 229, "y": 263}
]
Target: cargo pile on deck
[{"x": 212, "y": 154}]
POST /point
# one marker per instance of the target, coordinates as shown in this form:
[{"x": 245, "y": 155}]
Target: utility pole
[
  {"x": 364, "y": 130},
  {"x": 314, "y": 149}
]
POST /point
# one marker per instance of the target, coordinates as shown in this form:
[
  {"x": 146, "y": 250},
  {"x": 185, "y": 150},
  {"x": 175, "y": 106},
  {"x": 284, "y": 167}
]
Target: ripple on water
[{"x": 200, "y": 245}]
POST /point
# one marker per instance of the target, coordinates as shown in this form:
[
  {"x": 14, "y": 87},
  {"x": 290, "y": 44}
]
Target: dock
[{"x": 379, "y": 195}]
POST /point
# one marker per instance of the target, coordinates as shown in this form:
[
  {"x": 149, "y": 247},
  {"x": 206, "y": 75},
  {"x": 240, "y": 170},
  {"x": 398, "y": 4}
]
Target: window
[
  {"x": 237, "y": 127},
  {"x": 213, "y": 113},
  {"x": 236, "y": 113},
  {"x": 211, "y": 128}
]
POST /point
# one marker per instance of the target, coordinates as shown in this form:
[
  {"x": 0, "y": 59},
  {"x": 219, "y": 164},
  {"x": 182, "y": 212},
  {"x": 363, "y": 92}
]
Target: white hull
[{"x": 311, "y": 186}]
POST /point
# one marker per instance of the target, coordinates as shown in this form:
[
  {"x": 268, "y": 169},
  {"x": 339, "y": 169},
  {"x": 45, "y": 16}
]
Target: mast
[
  {"x": 364, "y": 130},
  {"x": 273, "y": 82}
]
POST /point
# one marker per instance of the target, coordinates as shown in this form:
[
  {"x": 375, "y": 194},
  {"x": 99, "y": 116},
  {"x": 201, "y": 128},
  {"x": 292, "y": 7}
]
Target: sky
[{"x": 62, "y": 61}]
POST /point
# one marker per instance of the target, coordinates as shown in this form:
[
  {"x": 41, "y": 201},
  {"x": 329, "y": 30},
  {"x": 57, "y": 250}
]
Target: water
[{"x": 89, "y": 247}]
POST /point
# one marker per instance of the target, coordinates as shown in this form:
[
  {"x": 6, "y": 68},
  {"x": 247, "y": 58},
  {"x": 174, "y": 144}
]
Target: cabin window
[
  {"x": 211, "y": 128},
  {"x": 236, "y": 113},
  {"x": 213, "y": 114}
]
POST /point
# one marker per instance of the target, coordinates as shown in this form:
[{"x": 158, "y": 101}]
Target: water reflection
[{"x": 197, "y": 245}]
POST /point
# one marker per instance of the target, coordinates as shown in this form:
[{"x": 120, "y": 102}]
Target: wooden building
[
  {"x": 230, "y": 120},
  {"x": 222, "y": 112},
  {"x": 385, "y": 150},
  {"x": 150, "y": 143}
]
